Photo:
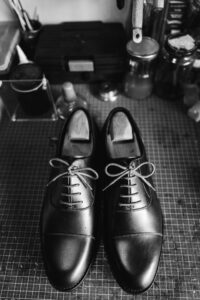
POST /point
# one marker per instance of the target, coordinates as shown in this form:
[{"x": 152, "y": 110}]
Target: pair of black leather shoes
[{"x": 70, "y": 213}]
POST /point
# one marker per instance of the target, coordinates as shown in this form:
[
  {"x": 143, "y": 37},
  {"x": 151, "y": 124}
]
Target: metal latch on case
[{"x": 81, "y": 65}]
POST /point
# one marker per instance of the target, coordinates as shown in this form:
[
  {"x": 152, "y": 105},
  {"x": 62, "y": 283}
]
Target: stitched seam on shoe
[
  {"x": 136, "y": 209},
  {"x": 68, "y": 234},
  {"x": 140, "y": 233}
]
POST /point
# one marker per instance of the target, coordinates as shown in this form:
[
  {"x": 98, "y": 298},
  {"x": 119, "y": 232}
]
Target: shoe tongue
[
  {"x": 125, "y": 161},
  {"x": 71, "y": 159}
]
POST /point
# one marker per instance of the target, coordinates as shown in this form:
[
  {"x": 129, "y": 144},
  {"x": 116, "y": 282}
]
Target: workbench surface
[{"x": 172, "y": 144}]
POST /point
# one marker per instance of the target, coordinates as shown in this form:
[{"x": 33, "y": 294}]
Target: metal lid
[
  {"x": 26, "y": 76},
  {"x": 146, "y": 50},
  {"x": 180, "y": 45}
]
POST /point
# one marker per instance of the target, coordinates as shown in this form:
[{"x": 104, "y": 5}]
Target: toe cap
[
  {"x": 137, "y": 258},
  {"x": 67, "y": 259}
]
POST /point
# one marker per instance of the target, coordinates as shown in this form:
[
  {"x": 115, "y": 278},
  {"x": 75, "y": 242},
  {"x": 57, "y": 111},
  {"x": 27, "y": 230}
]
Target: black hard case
[{"x": 102, "y": 44}]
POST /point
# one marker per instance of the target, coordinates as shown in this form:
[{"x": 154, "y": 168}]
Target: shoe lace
[
  {"x": 72, "y": 170},
  {"x": 128, "y": 173}
]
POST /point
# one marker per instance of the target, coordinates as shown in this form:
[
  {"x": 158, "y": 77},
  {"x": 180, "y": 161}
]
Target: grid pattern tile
[{"x": 172, "y": 143}]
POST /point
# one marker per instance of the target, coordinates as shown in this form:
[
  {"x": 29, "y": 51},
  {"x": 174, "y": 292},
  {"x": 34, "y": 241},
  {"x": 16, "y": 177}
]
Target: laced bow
[
  {"x": 132, "y": 170},
  {"x": 81, "y": 173}
]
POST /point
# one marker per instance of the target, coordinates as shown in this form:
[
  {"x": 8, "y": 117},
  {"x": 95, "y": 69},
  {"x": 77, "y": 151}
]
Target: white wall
[{"x": 55, "y": 11}]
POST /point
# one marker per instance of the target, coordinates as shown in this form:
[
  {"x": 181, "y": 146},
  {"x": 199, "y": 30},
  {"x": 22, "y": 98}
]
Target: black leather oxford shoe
[
  {"x": 69, "y": 214},
  {"x": 133, "y": 219}
]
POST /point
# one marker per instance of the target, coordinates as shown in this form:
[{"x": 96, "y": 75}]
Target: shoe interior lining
[
  {"x": 77, "y": 141},
  {"x": 121, "y": 140}
]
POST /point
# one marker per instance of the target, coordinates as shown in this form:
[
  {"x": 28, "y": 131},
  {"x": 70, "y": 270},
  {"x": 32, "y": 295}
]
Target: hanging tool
[
  {"x": 137, "y": 20},
  {"x": 24, "y": 14},
  {"x": 20, "y": 18}
]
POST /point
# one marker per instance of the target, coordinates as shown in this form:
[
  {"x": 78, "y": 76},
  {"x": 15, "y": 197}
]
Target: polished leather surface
[
  {"x": 133, "y": 232},
  {"x": 69, "y": 223}
]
